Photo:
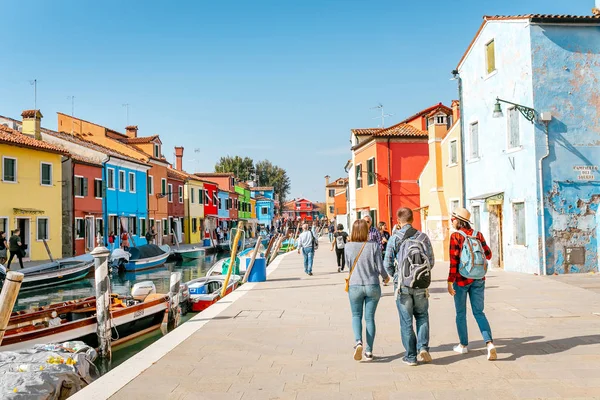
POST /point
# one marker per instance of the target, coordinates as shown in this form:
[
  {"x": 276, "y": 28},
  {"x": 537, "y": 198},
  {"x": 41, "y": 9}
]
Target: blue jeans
[
  {"x": 413, "y": 303},
  {"x": 308, "y": 254},
  {"x": 367, "y": 297},
  {"x": 476, "y": 291}
]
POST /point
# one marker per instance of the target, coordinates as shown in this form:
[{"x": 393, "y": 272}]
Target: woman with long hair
[{"x": 364, "y": 291}]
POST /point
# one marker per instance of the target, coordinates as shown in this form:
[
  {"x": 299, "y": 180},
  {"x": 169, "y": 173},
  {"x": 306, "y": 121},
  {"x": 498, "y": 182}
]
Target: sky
[{"x": 277, "y": 80}]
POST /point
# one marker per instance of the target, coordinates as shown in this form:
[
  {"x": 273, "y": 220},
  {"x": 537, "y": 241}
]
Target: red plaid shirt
[{"x": 456, "y": 244}]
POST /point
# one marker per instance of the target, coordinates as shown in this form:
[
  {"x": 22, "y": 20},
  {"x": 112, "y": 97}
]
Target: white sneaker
[
  {"x": 460, "y": 349},
  {"x": 492, "y": 355},
  {"x": 358, "y": 351}
]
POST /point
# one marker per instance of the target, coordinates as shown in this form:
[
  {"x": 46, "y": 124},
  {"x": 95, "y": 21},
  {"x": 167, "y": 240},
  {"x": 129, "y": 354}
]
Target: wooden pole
[
  {"x": 8, "y": 298},
  {"x": 277, "y": 247},
  {"x": 270, "y": 246},
  {"x": 175, "y": 238},
  {"x": 256, "y": 248},
  {"x": 102, "y": 279},
  {"x": 48, "y": 250},
  {"x": 234, "y": 246},
  {"x": 174, "y": 313}
]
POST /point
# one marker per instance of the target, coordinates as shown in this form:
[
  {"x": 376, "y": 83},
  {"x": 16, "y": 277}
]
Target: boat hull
[{"x": 201, "y": 302}]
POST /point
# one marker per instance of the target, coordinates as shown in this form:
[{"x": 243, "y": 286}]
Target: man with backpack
[
  {"x": 307, "y": 243},
  {"x": 339, "y": 243},
  {"x": 469, "y": 255},
  {"x": 413, "y": 253}
]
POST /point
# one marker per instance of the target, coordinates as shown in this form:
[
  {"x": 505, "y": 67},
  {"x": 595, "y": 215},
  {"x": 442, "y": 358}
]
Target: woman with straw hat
[{"x": 460, "y": 286}]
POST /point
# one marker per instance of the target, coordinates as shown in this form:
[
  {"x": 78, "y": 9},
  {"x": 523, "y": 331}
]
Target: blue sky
[{"x": 277, "y": 80}]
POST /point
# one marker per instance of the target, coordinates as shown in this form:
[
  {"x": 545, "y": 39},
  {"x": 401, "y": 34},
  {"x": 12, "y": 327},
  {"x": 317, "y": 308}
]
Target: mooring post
[
  {"x": 234, "y": 247},
  {"x": 8, "y": 297},
  {"x": 272, "y": 242},
  {"x": 276, "y": 249},
  {"x": 103, "y": 289},
  {"x": 174, "y": 312}
]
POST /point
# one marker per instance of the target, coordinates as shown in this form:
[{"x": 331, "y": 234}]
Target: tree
[
  {"x": 268, "y": 174},
  {"x": 243, "y": 168}
]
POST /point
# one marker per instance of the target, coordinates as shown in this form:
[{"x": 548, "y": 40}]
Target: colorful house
[
  {"x": 530, "y": 120},
  {"x": 176, "y": 181},
  {"x": 211, "y": 208},
  {"x": 265, "y": 205},
  {"x": 226, "y": 182},
  {"x": 440, "y": 182},
  {"x": 331, "y": 190},
  {"x": 31, "y": 187},
  {"x": 387, "y": 164},
  {"x": 300, "y": 209},
  {"x": 223, "y": 208},
  {"x": 341, "y": 206}
]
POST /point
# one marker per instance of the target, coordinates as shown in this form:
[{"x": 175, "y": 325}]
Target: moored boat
[
  {"x": 189, "y": 253},
  {"x": 203, "y": 292},
  {"x": 140, "y": 258}
]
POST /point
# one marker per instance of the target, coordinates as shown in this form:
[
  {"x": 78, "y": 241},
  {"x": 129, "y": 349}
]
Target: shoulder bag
[{"x": 354, "y": 266}]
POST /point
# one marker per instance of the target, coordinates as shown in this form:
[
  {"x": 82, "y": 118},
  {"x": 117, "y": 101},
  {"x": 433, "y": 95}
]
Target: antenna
[
  {"x": 382, "y": 116},
  {"x": 34, "y": 83},
  {"x": 72, "y": 98},
  {"x": 126, "y": 105}
]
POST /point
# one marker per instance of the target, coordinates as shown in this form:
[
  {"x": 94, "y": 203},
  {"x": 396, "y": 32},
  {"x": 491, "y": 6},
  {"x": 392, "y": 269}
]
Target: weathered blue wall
[
  {"x": 223, "y": 210},
  {"x": 566, "y": 71}
]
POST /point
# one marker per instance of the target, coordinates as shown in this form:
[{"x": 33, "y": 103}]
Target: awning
[
  {"x": 487, "y": 196},
  {"x": 17, "y": 210}
]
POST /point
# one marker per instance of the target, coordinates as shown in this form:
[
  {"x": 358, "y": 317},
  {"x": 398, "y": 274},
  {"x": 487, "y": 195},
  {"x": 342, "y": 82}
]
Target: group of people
[
  {"x": 125, "y": 238},
  {"x": 406, "y": 257},
  {"x": 14, "y": 245}
]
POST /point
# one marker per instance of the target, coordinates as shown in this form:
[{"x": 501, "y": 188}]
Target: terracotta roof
[
  {"x": 338, "y": 182},
  {"x": 535, "y": 18},
  {"x": 426, "y": 111},
  {"x": 401, "y": 130},
  {"x": 173, "y": 173},
  {"x": 261, "y": 188},
  {"x": 16, "y": 138},
  {"x": 31, "y": 114},
  {"x": 85, "y": 160},
  {"x": 364, "y": 131},
  {"x": 139, "y": 140},
  {"x": 437, "y": 110},
  {"x": 215, "y": 174}
]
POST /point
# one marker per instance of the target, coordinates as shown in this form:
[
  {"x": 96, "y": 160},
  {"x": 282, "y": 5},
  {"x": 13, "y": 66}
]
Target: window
[
  {"x": 4, "y": 225},
  {"x": 358, "y": 176},
  {"x": 371, "y": 171},
  {"x": 156, "y": 150},
  {"x": 514, "y": 139},
  {"x": 98, "y": 192},
  {"x": 453, "y": 152},
  {"x": 80, "y": 186},
  {"x": 165, "y": 227},
  {"x": 163, "y": 186},
  {"x": 9, "y": 169},
  {"x": 42, "y": 229},
  {"x": 454, "y": 204},
  {"x": 200, "y": 196},
  {"x": 220, "y": 203},
  {"x": 171, "y": 225},
  {"x": 99, "y": 227},
  {"x": 264, "y": 211},
  {"x": 150, "y": 184},
  {"x": 46, "y": 174},
  {"x": 132, "y": 226},
  {"x": 440, "y": 119},
  {"x": 142, "y": 226},
  {"x": 180, "y": 191},
  {"x": 110, "y": 178},
  {"x": 192, "y": 196},
  {"x": 132, "y": 182},
  {"x": 331, "y": 209},
  {"x": 194, "y": 225},
  {"x": 373, "y": 214},
  {"x": 151, "y": 223},
  {"x": 476, "y": 218},
  {"x": 112, "y": 224},
  {"x": 474, "y": 139},
  {"x": 79, "y": 228},
  {"x": 519, "y": 223},
  {"x": 122, "y": 184},
  {"x": 216, "y": 199},
  {"x": 170, "y": 194},
  {"x": 490, "y": 57},
  {"x": 331, "y": 192}
]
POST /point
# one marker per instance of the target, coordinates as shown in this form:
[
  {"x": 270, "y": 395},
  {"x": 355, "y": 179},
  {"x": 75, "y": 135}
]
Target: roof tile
[
  {"x": 139, "y": 140},
  {"x": 10, "y": 136},
  {"x": 401, "y": 130}
]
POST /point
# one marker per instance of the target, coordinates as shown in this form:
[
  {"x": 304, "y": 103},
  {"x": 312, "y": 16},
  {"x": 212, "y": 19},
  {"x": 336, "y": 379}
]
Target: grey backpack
[{"x": 414, "y": 266}]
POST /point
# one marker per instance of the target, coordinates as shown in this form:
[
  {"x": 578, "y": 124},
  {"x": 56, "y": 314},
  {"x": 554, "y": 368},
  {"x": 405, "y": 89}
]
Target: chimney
[
  {"x": 131, "y": 131},
  {"x": 178, "y": 158},
  {"x": 327, "y": 180},
  {"x": 455, "y": 110},
  {"x": 32, "y": 120}
]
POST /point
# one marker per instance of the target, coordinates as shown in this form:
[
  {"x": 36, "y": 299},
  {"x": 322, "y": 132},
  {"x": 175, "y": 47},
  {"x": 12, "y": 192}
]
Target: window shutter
[
  {"x": 85, "y": 187},
  {"x": 474, "y": 140},
  {"x": 514, "y": 139}
]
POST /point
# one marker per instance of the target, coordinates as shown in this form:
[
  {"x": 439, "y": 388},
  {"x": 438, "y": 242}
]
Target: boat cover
[
  {"x": 47, "y": 371},
  {"x": 145, "y": 251}
]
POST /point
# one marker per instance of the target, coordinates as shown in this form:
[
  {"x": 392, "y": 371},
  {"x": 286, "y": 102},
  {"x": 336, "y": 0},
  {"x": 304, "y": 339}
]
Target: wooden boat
[
  {"x": 189, "y": 253},
  {"x": 140, "y": 258},
  {"x": 132, "y": 316},
  {"x": 288, "y": 245},
  {"x": 203, "y": 292},
  {"x": 221, "y": 266},
  {"x": 56, "y": 272}
]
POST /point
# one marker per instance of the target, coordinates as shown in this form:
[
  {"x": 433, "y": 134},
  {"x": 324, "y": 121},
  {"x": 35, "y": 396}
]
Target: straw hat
[{"x": 462, "y": 213}]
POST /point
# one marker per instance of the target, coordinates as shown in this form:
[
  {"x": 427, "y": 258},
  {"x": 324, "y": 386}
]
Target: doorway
[
  {"x": 159, "y": 232},
  {"x": 496, "y": 231},
  {"x": 24, "y": 226},
  {"x": 89, "y": 234}
]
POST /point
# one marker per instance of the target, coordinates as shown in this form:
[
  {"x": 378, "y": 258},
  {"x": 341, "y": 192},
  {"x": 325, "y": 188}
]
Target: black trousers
[
  {"x": 12, "y": 255},
  {"x": 341, "y": 260}
]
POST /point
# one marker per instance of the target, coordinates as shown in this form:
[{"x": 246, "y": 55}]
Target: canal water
[{"x": 122, "y": 284}]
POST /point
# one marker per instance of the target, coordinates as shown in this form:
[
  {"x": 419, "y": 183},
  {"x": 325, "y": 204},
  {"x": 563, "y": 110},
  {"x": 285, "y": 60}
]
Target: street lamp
[{"x": 528, "y": 112}]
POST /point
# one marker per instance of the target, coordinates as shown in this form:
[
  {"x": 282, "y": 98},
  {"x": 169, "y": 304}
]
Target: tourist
[
  {"x": 474, "y": 266},
  {"x": 339, "y": 243},
  {"x": 16, "y": 248},
  {"x": 385, "y": 235},
  {"x": 150, "y": 235},
  {"x": 3, "y": 248},
  {"x": 364, "y": 292},
  {"x": 374, "y": 235},
  {"x": 414, "y": 255},
  {"x": 111, "y": 240},
  {"x": 331, "y": 232},
  {"x": 125, "y": 240},
  {"x": 307, "y": 243}
]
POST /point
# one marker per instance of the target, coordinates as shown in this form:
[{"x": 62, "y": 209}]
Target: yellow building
[
  {"x": 441, "y": 181},
  {"x": 194, "y": 209},
  {"x": 31, "y": 188}
]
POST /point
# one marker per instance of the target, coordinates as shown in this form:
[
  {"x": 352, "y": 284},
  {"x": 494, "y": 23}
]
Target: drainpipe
[
  {"x": 106, "y": 221},
  {"x": 462, "y": 137},
  {"x": 390, "y": 212},
  {"x": 541, "y": 200}
]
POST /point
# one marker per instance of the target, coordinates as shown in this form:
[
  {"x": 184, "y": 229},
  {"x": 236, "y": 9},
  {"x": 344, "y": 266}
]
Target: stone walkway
[{"x": 291, "y": 338}]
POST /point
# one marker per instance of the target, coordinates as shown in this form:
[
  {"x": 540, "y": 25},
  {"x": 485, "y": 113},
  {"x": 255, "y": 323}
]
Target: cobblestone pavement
[{"x": 291, "y": 338}]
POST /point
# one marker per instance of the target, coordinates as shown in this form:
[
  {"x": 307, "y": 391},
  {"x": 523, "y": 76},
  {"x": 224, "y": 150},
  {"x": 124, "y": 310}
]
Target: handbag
[{"x": 354, "y": 266}]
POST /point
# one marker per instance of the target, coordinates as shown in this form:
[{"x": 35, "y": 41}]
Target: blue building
[
  {"x": 223, "y": 207},
  {"x": 265, "y": 205},
  {"x": 531, "y": 158}
]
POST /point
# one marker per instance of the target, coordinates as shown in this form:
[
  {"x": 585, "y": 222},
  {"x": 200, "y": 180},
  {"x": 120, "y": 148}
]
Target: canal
[{"x": 122, "y": 284}]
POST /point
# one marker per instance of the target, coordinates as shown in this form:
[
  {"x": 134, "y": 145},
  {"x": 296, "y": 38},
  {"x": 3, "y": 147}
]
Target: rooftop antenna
[
  {"x": 72, "y": 98},
  {"x": 126, "y": 105},
  {"x": 34, "y": 83},
  {"x": 382, "y": 116}
]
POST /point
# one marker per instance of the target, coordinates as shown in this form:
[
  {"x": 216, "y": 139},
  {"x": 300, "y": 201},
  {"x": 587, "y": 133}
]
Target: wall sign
[
  {"x": 586, "y": 172},
  {"x": 575, "y": 255}
]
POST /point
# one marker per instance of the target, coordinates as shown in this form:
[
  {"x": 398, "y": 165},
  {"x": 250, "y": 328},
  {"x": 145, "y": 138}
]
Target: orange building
[
  {"x": 387, "y": 165},
  {"x": 147, "y": 149}
]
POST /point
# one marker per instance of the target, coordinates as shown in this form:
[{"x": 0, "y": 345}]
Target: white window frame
[
  {"x": 514, "y": 220},
  {"x": 163, "y": 192},
  {"x": 165, "y": 226},
  {"x": 108, "y": 185},
  {"x": 452, "y": 200},
  {"x": 358, "y": 176},
  {"x": 374, "y": 169},
  {"x": 509, "y": 147},
  {"x": 142, "y": 221},
  {"x": 151, "y": 187},
  {"x": 450, "y": 162},
  {"x": 42, "y": 173},
  {"x": 7, "y": 224},
  {"x": 130, "y": 175},
  {"x": 82, "y": 180},
  {"x": 180, "y": 193},
  {"x": 101, "y": 186},
  {"x": 124, "y": 187},
  {"x": 478, "y": 213},
  {"x": 16, "y": 169},
  {"x": 170, "y": 192},
  {"x": 37, "y": 231},
  {"x": 75, "y": 233},
  {"x": 477, "y": 156},
  {"x": 156, "y": 150},
  {"x": 206, "y": 198}
]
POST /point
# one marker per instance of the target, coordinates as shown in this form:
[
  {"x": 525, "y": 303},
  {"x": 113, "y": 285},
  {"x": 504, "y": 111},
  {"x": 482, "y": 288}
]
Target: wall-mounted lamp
[{"x": 528, "y": 112}]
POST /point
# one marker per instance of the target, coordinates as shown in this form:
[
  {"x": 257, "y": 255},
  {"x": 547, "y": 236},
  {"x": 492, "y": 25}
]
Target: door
[
  {"x": 23, "y": 225},
  {"x": 496, "y": 236},
  {"x": 89, "y": 233},
  {"x": 159, "y": 232}
]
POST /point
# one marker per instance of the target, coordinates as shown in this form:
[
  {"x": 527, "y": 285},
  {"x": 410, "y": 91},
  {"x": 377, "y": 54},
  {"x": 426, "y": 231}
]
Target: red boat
[{"x": 207, "y": 290}]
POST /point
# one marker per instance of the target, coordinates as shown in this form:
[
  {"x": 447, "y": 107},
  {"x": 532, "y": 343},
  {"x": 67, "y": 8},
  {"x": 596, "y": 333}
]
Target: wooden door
[{"x": 495, "y": 239}]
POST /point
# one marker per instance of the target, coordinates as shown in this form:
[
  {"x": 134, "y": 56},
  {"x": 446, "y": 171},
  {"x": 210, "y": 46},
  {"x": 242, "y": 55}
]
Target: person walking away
[
  {"x": 469, "y": 255},
  {"x": 374, "y": 235},
  {"x": 331, "y": 232},
  {"x": 125, "y": 241},
  {"x": 16, "y": 248},
  {"x": 307, "y": 244},
  {"x": 3, "y": 248},
  {"x": 385, "y": 235},
  {"x": 412, "y": 276},
  {"x": 363, "y": 287},
  {"x": 111, "y": 241},
  {"x": 339, "y": 243}
]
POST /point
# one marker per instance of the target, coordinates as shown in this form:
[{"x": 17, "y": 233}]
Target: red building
[
  {"x": 233, "y": 212},
  {"x": 175, "y": 204},
  {"x": 300, "y": 210}
]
